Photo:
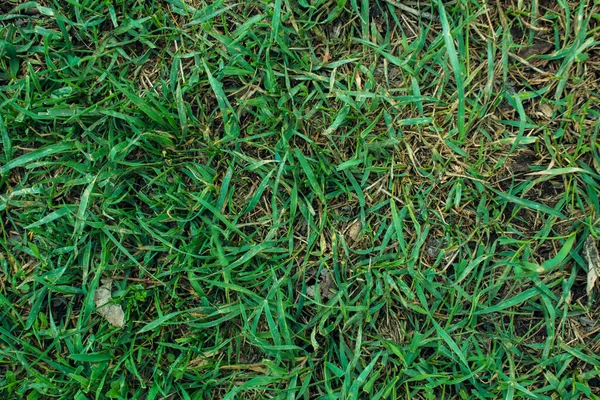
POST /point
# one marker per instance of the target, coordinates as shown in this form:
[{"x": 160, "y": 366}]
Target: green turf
[{"x": 296, "y": 199}]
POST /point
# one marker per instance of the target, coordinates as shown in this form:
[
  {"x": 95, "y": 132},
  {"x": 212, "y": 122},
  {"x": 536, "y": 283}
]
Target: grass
[{"x": 439, "y": 160}]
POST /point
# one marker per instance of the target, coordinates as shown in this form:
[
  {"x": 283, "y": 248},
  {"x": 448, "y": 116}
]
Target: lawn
[{"x": 299, "y": 199}]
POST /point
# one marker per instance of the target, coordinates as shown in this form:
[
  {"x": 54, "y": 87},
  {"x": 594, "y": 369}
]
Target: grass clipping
[{"x": 113, "y": 313}]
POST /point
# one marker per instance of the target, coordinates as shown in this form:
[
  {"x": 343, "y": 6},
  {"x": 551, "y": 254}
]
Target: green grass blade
[
  {"x": 456, "y": 67},
  {"x": 35, "y": 155}
]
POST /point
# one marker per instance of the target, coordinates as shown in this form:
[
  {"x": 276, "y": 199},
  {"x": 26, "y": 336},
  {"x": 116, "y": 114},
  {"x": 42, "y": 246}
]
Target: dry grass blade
[
  {"x": 410, "y": 10},
  {"x": 591, "y": 255}
]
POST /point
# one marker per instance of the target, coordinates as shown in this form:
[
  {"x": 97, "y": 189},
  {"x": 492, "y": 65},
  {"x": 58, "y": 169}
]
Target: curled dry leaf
[
  {"x": 546, "y": 110},
  {"x": 354, "y": 230},
  {"x": 113, "y": 313},
  {"x": 434, "y": 247},
  {"x": 591, "y": 254},
  {"x": 326, "y": 286}
]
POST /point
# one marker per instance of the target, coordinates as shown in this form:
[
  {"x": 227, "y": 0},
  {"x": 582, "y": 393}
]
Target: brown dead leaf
[
  {"x": 539, "y": 47},
  {"x": 354, "y": 230},
  {"x": 591, "y": 254},
  {"x": 326, "y": 286},
  {"x": 113, "y": 313},
  {"x": 206, "y": 359},
  {"x": 546, "y": 110}
]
